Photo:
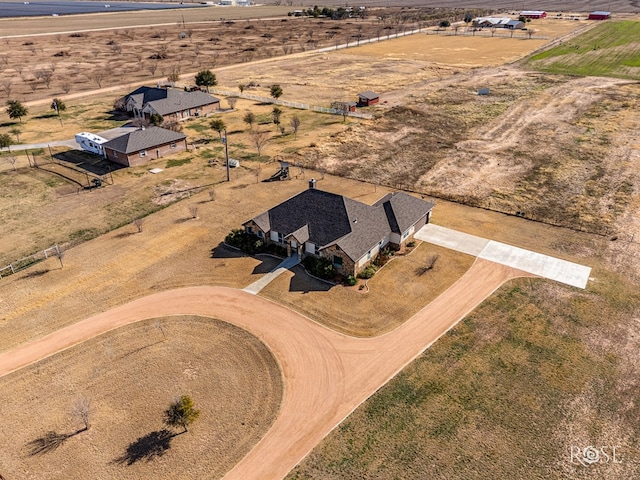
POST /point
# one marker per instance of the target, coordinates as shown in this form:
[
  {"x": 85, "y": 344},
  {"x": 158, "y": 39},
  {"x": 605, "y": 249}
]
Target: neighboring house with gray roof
[
  {"x": 173, "y": 104},
  {"x": 141, "y": 146},
  {"x": 348, "y": 232}
]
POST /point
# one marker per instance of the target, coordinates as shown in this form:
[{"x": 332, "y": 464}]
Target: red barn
[
  {"x": 599, "y": 15},
  {"x": 533, "y": 14},
  {"x": 368, "y": 98}
]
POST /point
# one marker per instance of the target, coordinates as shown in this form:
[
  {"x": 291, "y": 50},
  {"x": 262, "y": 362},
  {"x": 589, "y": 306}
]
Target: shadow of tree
[
  {"x": 223, "y": 251},
  {"x": 154, "y": 444},
  {"x": 49, "y": 442}
]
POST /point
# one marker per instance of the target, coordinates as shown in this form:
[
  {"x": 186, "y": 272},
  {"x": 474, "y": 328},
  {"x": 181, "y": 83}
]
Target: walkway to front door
[{"x": 262, "y": 282}]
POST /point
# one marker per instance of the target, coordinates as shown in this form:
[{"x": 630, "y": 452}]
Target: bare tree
[
  {"x": 153, "y": 66},
  {"x": 430, "y": 262},
  {"x": 97, "y": 76},
  {"x": 212, "y": 195},
  {"x": 7, "y": 85},
  {"x": 44, "y": 74},
  {"x": 531, "y": 32},
  {"x": 260, "y": 139},
  {"x": 81, "y": 411},
  {"x": 193, "y": 211},
  {"x": 16, "y": 131},
  {"x": 66, "y": 87},
  {"x": 295, "y": 125},
  {"x": 174, "y": 74},
  {"x": 116, "y": 48},
  {"x": 138, "y": 223},
  {"x": 12, "y": 160},
  {"x": 232, "y": 102}
]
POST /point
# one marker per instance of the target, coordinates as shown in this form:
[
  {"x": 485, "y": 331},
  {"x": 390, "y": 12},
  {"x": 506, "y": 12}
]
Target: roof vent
[{"x": 355, "y": 220}]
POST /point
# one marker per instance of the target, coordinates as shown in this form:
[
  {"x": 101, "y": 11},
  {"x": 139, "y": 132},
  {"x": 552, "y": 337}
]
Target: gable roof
[
  {"x": 143, "y": 139},
  {"x": 327, "y": 219},
  {"x": 403, "y": 210},
  {"x": 169, "y": 100},
  {"x": 369, "y": 95}
]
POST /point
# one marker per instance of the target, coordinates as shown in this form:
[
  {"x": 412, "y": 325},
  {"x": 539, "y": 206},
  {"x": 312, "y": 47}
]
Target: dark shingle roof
[
  {"x": 403, "y": 210},
  {"x": 169, "y": 100},
  {"x": 369, "y": 95},
  {"x": 324, "y": 214},
  {"x": 326, "y": 219},
  {"x": 143, "y": 95},
  {"x": 143, "y": 139}
]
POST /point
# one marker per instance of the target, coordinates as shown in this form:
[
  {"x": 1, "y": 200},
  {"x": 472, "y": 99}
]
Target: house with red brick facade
[
  {"x": 141, "y": 146},
  {"x": 347, "y": 232},
  {"x": 172, "y": 103}
]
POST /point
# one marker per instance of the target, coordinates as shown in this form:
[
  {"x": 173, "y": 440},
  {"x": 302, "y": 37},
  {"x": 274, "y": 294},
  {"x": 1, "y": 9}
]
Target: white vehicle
[{"x": 90, "y": 142}]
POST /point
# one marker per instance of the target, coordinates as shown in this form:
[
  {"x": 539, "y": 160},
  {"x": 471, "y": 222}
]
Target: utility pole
[{"x": 226, "y": 154}]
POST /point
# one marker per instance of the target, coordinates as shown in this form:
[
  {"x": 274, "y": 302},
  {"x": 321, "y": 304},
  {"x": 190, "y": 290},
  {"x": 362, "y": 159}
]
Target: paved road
[{"x": 327, "y": 374}]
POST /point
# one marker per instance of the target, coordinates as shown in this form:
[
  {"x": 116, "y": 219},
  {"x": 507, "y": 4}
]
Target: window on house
[
  {"x": 405, "y": 235},
  {"x": 249, "y": 229},
  {"x": 337, "y": 261},
  {"x": 280, "y": 238},
  {"x": 368, "y": 254},
  {"x": 143, "y": 153},
  {"x": 260, "y": 234},
  {"x": 317, "y": 250},
  {"x": 173, "y": 145}
]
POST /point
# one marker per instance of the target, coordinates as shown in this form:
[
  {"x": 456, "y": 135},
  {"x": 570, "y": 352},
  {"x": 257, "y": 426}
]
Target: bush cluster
[
  {"x": 368, "y": 272},
  {"x": 246, "y": 242},
  {"x": 320, "y": 267}
]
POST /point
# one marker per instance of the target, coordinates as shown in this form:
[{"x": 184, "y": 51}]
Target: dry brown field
[
  {"x": 130, "y": 376},
  {"x": 433, "y": 135},
  {"x": 81, "y": 61}
]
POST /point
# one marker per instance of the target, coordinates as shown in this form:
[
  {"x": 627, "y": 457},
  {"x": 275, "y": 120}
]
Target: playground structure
[{"x": 281, "y": 174}]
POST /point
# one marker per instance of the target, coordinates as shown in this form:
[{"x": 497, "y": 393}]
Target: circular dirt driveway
[{"x": 326, "y": 374}]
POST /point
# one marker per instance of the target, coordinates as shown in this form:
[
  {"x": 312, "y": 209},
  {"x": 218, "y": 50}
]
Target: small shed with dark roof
[
  {"x": 348, "y": 232},
  {"x": 140, "y": 146},
  {"x": 368, "y": 98}
]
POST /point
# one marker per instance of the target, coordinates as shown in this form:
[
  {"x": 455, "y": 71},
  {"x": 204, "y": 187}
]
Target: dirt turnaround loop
[{"x": 326, "y": 374}]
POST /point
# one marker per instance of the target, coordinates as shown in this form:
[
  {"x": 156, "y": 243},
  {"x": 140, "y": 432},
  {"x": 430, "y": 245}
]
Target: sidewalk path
[{"x": 262, "y": 282}]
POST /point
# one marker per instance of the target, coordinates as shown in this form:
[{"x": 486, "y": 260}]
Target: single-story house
[
  {"x": 368, "y": 98},
  {"x": 172, "y": 103},
  {"x": 140, "y": 146},
  {"x": 533, "y": 14},
  {"x": 599, "y": 15},
  {"x": 347, "y": 232},
  {"x": 491, "y": 22},
  {"x": 514, "y": 25}
]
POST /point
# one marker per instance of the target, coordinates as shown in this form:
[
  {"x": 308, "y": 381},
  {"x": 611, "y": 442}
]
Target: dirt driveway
[{"x": 327, "y": 375}]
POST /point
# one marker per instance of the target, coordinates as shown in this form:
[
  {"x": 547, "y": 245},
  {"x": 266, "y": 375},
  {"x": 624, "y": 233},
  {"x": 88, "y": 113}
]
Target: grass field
[
  {"x": 610, "y": 49},
  {"x": 504, "y": 395}
]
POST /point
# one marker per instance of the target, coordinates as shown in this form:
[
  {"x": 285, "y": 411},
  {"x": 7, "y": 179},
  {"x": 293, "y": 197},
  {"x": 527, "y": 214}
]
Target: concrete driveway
[{"x": 538, "y": 264}]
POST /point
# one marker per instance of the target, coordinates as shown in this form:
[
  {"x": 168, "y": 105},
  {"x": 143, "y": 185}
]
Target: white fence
[
  {"x": 284, "y": 103},
  {"x": 26, "y": 262},
  {"x": 335, "y": 111}
]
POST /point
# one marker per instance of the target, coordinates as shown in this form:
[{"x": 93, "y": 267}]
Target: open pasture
[{"x": 611, "y": 49}]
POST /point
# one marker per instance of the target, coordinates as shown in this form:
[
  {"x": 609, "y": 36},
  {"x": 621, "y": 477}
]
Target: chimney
[{"x": 312, "y": 184}]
